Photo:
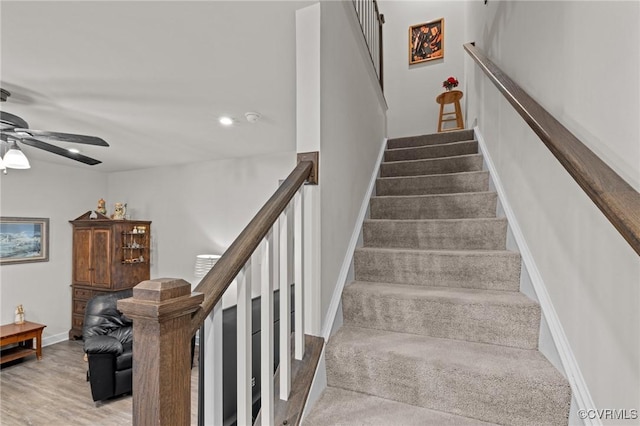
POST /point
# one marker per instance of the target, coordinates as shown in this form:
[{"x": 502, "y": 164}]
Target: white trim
[
  {"x": 346, "y": 264},
  {"x": 318, "y": 385},
  {"x": 311, "y": 259},
  {"x": 572, "y": 371},
  {"x": 56, "y": 338}
]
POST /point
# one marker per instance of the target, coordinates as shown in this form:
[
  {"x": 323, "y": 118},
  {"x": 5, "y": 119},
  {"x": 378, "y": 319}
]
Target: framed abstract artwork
[{"x": 426, "y": 41}]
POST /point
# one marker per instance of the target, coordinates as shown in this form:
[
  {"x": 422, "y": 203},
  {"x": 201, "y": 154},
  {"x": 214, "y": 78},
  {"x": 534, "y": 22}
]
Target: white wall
[
  {"x": 411, "y": 90},
  {"x": 197, "y": 208},
  {"x": 60, "y": 193},
  {"x": 352, "y": 129},
  {"x": 558, "y": 53}
]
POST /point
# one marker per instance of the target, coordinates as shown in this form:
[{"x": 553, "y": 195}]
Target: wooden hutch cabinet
[{"x": 108, "y": 255}]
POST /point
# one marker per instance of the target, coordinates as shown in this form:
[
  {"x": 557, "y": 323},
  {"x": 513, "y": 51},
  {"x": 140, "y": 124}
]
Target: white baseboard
[
  {"x": 572, "y": 371},
  {"x": 56, "y": 338},
  {"x": 348, "y": 258},
  {"x": 318, "y": 385}
]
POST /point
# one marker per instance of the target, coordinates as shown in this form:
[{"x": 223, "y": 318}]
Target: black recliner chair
[{"x": 108, "y": 343}]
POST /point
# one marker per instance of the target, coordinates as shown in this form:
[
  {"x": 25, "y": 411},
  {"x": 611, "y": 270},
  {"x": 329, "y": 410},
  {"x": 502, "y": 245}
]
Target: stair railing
[
  {"x": 617, "y": 200},
  {"x": 167, "y": 314},
  {"x": 371, "y": 21}
]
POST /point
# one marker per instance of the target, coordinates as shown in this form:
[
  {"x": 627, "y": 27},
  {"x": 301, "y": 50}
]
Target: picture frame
[
  {"x": 426, "y": 41},
  {"x": 24, "y": 240}
]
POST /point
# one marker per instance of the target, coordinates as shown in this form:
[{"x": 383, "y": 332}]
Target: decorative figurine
[
  {"x": 19, "y": 318},
  {"x": 119, "y": 211},
  {"x": 102, "y": 209}
]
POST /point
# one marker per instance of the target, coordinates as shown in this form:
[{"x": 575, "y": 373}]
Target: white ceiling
[{"x": 151, "y": 78}]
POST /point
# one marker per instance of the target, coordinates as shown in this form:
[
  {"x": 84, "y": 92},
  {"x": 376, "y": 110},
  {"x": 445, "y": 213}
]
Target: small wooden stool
[{"x": 451, "y": 97}]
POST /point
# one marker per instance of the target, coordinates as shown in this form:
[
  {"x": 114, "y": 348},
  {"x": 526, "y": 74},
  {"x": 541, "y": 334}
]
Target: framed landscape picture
[
  {"x": 426, "y": 41},
  {"x": 24, "y": 239}
]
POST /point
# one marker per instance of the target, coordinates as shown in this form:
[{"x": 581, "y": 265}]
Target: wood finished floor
[{"x": 54, "y": 392}]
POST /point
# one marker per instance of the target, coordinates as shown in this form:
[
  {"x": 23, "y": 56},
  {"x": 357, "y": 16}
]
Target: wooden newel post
[{"x": 161, "y": 312}]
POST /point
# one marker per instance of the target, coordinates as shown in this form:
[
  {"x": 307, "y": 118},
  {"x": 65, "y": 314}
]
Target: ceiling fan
[{"x": 14, "y": 129}]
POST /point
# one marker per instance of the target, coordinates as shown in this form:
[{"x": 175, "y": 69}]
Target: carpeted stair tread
[
  {"x": 489, "y": 382},
  {"x": 450, "y": 183},
  {"x": 347, "y": 408},
  {"x": 441, "y": 206},
  {"x": 506, "y": 318},
  {"x": 455, "y": 164},
  {"x": 434, "y": 326},
  {"x": 432, "y": 151},
  {"x": 436, "y": 138},
  {"x": 492, "y": 270},
  {"x": 430, "y": 234}
]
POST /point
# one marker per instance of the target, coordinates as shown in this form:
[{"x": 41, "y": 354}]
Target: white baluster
[
  {"x": 266, "y": 331},
  {"x": 244, "y": 399},
  {"x": 299, "y": 273},
  {"x": 285, "y": 309},
  {"x": 212, "y": 344},
  {"x": 366, "y": 22}
]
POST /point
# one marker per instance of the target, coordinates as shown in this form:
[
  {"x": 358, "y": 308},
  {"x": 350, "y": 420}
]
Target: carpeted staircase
[{"x": 435, "y": 329}]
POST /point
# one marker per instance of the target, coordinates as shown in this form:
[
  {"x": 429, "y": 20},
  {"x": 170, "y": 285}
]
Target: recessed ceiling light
[
  {"x": 73, "y": 150},
  {"x": 226, "y": 121}
]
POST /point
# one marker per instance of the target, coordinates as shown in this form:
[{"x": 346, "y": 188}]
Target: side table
[{"x": 23, "y": 335}]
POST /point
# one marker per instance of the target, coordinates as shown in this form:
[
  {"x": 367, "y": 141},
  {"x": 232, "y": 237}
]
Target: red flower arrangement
[{"x": 450, "y": 83}]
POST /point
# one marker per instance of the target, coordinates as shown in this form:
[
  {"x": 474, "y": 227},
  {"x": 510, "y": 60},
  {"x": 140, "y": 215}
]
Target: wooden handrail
[
  {"x": 216, "y": 282},
  {"x": 619, "y": 202}
]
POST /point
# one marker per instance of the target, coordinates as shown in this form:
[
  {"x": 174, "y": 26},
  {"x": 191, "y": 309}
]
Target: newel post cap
[{"x": 161, "y": 299}]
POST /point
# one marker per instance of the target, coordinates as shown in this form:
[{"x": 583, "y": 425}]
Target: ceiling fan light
[
  {"x": 2, "y": 166},
  {"x": 15, "y": 158}
]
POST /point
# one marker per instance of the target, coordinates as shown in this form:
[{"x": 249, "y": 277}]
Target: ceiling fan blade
[
  {"x": 10, "y": 121},
  {"x": 60, "y": 151},
  {"x": 62, "y": 137}
]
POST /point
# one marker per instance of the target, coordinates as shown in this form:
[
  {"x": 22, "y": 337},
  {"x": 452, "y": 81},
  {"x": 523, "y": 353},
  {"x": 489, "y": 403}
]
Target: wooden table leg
[{"x": 39, "y": 345}]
